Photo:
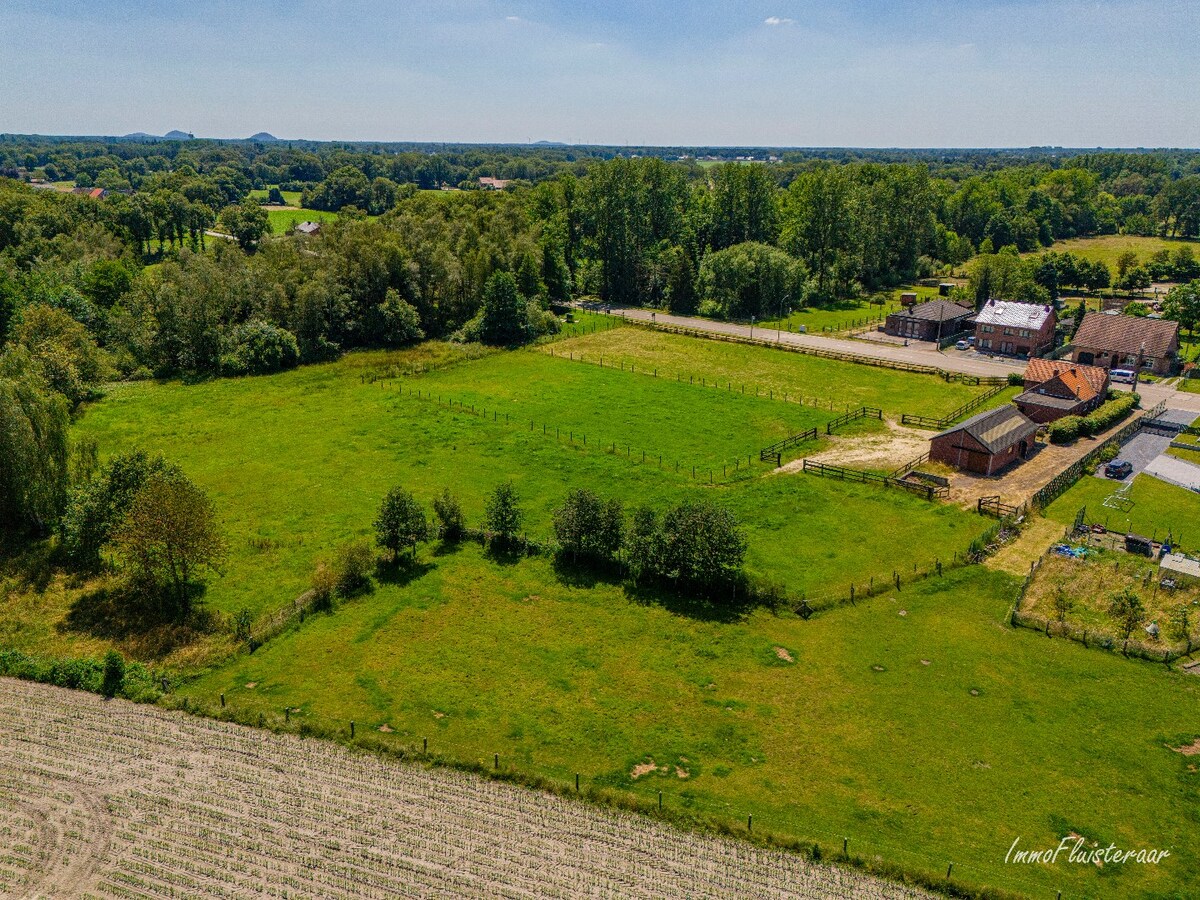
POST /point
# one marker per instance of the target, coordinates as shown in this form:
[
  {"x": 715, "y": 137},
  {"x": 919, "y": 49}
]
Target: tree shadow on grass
[
  {"x": 689, "y": 602},
  {"x": 31, "y": 564},
  {"x": 402, "y": 572},
  {"x": 729, "y": 604},
  {"x": 505, "y": 553},
  {"x": 145, "y": 627}
]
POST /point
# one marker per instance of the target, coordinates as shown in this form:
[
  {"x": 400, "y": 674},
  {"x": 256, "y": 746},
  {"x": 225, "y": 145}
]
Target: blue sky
[{"x": 905, "y": 73}]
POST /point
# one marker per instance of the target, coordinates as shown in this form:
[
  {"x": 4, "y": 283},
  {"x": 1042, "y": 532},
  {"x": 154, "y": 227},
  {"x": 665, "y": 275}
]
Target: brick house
[
  {"x": 1057, "y": 388},
  {"x": 1015, "y": 329},
  {"x": 930, "y": 321},
  {"x": 985, "y": 443},
  {"x": 1127, "y": 342}
]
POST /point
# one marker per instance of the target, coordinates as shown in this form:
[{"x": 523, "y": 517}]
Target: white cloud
[
  {"x": 512, "y": 18},
  {"x": 774, "y": 21}
]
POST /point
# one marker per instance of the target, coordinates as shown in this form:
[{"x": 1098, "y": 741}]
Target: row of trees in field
[{"x": 693, "y": 546}]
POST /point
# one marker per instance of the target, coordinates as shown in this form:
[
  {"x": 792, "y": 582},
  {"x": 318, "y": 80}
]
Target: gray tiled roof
[{"x": 997, "y": 429}]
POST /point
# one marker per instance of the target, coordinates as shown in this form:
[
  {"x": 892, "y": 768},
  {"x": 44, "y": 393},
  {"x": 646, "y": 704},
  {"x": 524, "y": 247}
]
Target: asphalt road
[{"x": 925, "y": 354}]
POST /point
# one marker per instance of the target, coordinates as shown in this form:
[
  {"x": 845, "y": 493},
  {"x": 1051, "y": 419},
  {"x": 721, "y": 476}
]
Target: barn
[{"x": 985, "y": 443}]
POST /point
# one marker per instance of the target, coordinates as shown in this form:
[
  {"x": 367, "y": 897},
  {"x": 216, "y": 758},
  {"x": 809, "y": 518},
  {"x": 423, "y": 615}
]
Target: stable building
[
  {"x": 1015, "y": 329},
  {"x": 1127, "y": 342},
  {"x": 1055, "y": 388},
  {"x": 931, "y": 321},
  {"x": 986, "y": 443}
]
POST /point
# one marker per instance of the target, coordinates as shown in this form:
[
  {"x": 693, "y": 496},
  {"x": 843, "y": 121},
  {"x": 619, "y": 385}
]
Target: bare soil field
[{"x": 111, "y": 799}]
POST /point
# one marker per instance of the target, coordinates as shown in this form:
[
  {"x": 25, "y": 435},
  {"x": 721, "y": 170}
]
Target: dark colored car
[{"x": 1118, "y": 468}]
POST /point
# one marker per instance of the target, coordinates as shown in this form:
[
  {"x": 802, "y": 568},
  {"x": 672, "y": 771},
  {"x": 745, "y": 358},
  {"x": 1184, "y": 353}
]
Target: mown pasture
[
  {"x": 917, "y": 724},
  {"x": 827, "y": 383},
  {"x": 1158, "y": 509},
  {"x": 297, "y": 462}
]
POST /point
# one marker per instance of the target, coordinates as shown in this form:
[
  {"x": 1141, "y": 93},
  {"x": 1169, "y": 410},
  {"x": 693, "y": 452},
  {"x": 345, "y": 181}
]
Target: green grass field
[
  {"x": 1159, "y": 508},
  {"x": 297, "y": 462},
  {"x": 284, "y": 220},
  {"x": 915, "y": 725},
  {"x": 290, "y": 198},
  {"x": 1106, "y": 248},
  {"x": 817, "y": 380}
]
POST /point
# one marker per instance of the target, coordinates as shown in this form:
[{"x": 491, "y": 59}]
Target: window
[
  {"x": 986, "y": 329},
  {"x": 1008, "y": 331},
  {"x": 987, "y": 344}
]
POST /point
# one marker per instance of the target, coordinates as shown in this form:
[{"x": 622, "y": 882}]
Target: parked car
[
  {"x": 1118, "y": 468},
  {"x": 971, "y": 340},
  {"x": 1125, "y": 376},
  {"x": 962, "y": 345}
]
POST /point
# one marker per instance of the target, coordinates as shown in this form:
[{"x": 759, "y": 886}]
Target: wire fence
[
  {"x": 707, "y": 472},
  {"x": 1023, "y": 616}
]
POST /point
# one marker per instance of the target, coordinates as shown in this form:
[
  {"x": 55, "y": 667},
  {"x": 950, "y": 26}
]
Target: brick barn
[
  {"x": 985, "y": 443},
  {"x": 930, "y": 321},
  {"x": 1057, "y": 388}
]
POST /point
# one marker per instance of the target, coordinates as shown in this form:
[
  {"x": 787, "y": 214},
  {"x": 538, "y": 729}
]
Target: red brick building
[
  {"x": 985, "y": 443},
  {"x": 929, "y": 321},
  {"x": 1057, "y": 388},
  {"x": 1015, "y": 329},
  {"x": 1127, "y": 342}
]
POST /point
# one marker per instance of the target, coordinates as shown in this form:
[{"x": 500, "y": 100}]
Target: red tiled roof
[
  {"x": 1127, "y": 334},
  {"x": 1040, "y": 370}
]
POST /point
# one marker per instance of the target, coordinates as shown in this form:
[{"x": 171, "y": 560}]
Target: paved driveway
[
  {"x": 1176, "y": 471},
  {"x": 1141, "y": 450}
]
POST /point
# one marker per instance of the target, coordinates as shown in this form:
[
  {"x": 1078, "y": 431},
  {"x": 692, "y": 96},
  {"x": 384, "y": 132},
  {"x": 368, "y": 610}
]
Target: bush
[
  {"x": 257, "y": 348},
  {"x": 1065, "y": 430},
  {"x": 401, "y": 523},
  {"x": 1109, "y": 414},
  {"x": 587, "y": 526},
  {"x": 324, "y": 584},
  {"x": 503, "y": 514},
  {"x": 449, "y": 514},
  {"x": 1016, "y": 379},
  {"x": 114, "y": 674},
  {"x": 352, "y": 568}
]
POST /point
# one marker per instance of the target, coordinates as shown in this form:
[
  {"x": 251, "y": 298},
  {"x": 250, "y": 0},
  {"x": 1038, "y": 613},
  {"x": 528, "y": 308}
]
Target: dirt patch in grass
[
  {"x": 641, "y": 769},
  {"x": 883, "y": 452},
  {"x": 784, "y": 655},
  {"x": 1192, "y": 749}
]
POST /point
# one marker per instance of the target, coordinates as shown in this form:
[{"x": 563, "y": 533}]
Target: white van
[{"x": 1122, "y": 376}]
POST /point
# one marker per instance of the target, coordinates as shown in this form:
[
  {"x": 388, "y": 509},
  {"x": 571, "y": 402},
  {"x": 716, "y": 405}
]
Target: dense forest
[{"x": 142, "y": 280}]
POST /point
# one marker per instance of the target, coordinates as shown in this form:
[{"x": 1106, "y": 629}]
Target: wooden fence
[
  {"x": 992, "y": 506},
  {"x": 951, "y": 417},
  {"x": 862, "y": 476},
  {"x": 776, "y": 449},
  {"x": 863, "y": 412}
]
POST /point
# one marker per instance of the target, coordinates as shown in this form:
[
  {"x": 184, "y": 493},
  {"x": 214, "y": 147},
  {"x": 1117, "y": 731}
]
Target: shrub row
[
  {"x": 137, "y": 683},
  {"x": 1068, "y": 428}
]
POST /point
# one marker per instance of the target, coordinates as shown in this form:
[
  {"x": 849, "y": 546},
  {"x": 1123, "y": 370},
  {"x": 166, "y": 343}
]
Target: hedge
[
  {"x": 1109, "y": 414},
  {"x": 1065, "y": 430},
  {"x": 81, "y": 674}
]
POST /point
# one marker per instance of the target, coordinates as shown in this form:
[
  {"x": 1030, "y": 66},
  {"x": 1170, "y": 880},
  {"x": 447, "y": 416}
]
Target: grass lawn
[
  {"x": 1159, "y": 508},
  {"x": 1106, "y": 248},
  {"x": 290, "y": 198},
  {"x": 297, "y": 462},
  {"x": 284, "y": 220},
  {"x": 918, "y": 726},
  {"x": 822, "y": 381}
]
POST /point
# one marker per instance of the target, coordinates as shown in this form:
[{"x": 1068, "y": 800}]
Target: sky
[{"x": 803, "y": 73}]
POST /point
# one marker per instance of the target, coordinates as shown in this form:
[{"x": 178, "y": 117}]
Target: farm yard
[{"x": 108, "y": 799}]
